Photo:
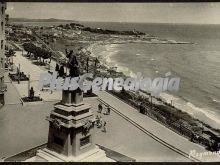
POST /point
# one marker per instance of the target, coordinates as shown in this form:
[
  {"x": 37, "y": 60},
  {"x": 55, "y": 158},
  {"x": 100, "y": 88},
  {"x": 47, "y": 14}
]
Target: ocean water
[{"x": 197, "y": 65}]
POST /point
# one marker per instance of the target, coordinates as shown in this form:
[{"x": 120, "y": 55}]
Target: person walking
[
  {"x": 97, "y": 120},
  {"x": 104, "y": 127},
  {"x": 108, "y": 110},
  {"x": 100, "y": 108},
  {"x": 100, "y": 122}
]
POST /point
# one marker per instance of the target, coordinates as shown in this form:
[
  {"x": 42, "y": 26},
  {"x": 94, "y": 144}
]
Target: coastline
[
  {"x": 105, "y": 48},
  {"x": 207, "y": 116},
  {"x": 104, "y": 56}
]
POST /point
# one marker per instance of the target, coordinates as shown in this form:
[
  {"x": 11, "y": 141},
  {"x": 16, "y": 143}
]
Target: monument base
[{"x": 46, "y": 155}]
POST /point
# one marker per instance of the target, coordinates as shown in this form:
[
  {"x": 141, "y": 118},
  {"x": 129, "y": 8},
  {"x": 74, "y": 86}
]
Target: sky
[{"x": 198, "y": 13}]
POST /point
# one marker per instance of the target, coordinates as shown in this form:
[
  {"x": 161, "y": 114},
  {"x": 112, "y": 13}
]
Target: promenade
[
  {"x": 128, "y": 132},
  {"x": 154, "y": 128},
  {"x": 27, "y": 66}
]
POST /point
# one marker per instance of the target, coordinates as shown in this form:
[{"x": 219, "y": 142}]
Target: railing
[
  {"x": 174, "y": 126},
  {"x": 161, "y": 141}
]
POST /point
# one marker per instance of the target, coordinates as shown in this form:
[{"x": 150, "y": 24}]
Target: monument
[{"x": 71, "y": 125}]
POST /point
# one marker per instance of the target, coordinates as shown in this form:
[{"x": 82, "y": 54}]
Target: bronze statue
[
  {"x": 31, "y": 93},
  {"x": 73, "y": 64}
]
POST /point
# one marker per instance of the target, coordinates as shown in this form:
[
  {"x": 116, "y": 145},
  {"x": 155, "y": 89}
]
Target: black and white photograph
[{"x": 109, "y": 81}]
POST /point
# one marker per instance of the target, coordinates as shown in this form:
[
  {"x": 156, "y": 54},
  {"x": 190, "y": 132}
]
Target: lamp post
[
  {"x": 19, "y": 75},
  {"x": 151, "y": 104},
  {"x": 29, "y": 83}
]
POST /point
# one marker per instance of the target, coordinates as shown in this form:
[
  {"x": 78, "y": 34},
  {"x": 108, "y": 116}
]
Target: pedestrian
[
  {"x": 104, "y": 127},
  {"x": 108, "y": 110},
  {"x": 100, "y": 108},
  {"x": 97, "y": 120},
  {"x": 100, "y": 120},
  {"x": 99, "y": 125}
]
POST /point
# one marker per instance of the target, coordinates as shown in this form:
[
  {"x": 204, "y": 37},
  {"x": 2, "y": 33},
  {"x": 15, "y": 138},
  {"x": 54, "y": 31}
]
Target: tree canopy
[{"x": 37, "y": 51}]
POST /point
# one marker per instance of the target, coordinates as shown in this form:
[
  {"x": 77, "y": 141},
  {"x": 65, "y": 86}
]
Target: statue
[
  {"x": 31, "y": 93},
  {"x": 88, "y": 124},
  {"x": 57, "y": 123},
  {"x": 74, "y": 67},
  {"x": 73, "y": 64}
]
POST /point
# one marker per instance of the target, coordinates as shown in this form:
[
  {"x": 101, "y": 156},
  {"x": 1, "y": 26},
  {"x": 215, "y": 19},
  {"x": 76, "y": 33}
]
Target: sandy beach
[{"x": 104, "y": 53}]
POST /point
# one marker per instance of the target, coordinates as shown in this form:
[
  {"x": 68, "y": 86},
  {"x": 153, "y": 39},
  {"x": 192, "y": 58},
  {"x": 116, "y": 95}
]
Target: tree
[
  {"x": 46, "y": 55},
  {"x": 67, "y": 26},
  {"x": 38, "y": 53},
  {"x": 29, "y": 48}
]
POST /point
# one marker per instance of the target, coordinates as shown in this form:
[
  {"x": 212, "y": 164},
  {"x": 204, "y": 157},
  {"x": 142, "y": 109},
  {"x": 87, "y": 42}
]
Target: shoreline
[
  {"x": 165, "y": 113},
  {"x": 185, "y": 106}
]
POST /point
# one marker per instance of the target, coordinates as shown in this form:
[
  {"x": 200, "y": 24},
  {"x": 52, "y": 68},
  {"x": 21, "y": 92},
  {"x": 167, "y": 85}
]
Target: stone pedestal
[
  {"x": 71, "y": 131},
  {"x": 93, "y": 155}
]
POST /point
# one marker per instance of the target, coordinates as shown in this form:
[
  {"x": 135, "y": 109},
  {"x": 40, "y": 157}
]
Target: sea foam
[{"x": 203, "y": 114}]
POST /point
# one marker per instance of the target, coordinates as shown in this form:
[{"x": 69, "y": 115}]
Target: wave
[
  {"x": 125, "y": 70},
  {"x": 215, "y": 100},
  {"x": 217, "y": 87},
  {"x": 105, "y": 53},
  {"x": 203, "y": 114},
  {"x": 206, "y": 115},
  {"x": 90, "y": 48},
  {"x": 102, "y": 52}
]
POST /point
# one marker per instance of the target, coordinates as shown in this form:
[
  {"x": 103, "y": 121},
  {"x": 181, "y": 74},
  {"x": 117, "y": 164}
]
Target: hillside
[{"x": 39, "y": 20}]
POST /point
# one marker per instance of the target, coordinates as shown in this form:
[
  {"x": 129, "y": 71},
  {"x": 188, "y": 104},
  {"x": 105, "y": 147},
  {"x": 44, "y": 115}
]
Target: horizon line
[{"x": 68, "y": 20}]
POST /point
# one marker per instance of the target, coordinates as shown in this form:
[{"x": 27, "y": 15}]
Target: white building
[{"x": 2, "y": 50}]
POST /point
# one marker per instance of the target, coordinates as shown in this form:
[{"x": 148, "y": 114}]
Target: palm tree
[
  {"x": 87, "y": 65},
  {"x": 96, "y": 62}
]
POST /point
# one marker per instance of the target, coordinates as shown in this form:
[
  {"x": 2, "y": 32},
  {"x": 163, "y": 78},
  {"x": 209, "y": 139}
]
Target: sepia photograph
[{"x": 109, "y": 82}]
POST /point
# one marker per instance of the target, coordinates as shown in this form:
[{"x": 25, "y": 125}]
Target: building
[{"x": 2, "y": 51}]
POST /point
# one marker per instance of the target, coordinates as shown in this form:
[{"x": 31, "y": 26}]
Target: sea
[{"x": 197, "y": 65}]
